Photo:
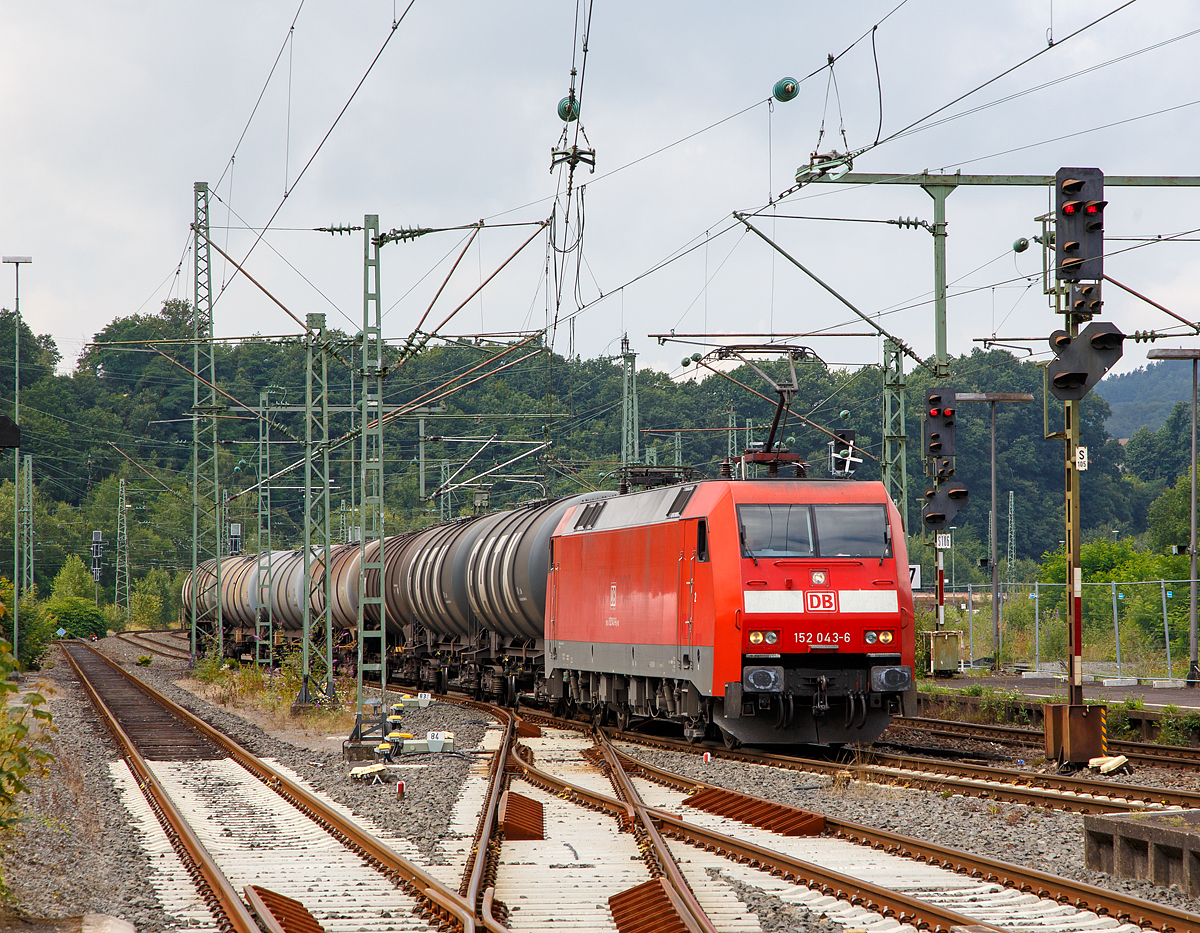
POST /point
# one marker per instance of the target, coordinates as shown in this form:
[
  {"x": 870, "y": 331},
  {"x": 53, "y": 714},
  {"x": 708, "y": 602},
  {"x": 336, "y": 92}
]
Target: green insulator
[
  {"x": 785, "y": 89},
  {"x": 1020, "y": 245},
  {"x": 686, "y": 362},
  {"x": 844, "y": 415},
  {"x": 568, "y": 109},
  {"x": 696, "y": 357}
]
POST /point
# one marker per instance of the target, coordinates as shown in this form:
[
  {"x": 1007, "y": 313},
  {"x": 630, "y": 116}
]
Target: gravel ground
[
  {"x": 1032, "y": 759},
  {"x": 75, "y": 854},
  {"x": 1048, "y": 840}
]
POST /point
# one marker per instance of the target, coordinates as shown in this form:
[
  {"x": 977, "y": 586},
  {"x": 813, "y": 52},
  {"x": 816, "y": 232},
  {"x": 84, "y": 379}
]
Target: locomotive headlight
[
  {"x": 756, "y": 638},
  {"x": 772, "y": 637},
  {"x": 885, "y": 638},
  {"x": 870, "y": 637},
  {"x": 819, "y": 577}
]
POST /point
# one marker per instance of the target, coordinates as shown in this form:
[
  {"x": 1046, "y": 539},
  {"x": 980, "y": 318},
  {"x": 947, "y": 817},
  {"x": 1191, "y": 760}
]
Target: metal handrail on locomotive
[{"x": 767, "y": 611}]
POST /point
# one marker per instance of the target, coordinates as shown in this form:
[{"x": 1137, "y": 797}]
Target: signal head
[
  {"x": 1072, "y": 185},
  {"x": 1108, "y": 340}
]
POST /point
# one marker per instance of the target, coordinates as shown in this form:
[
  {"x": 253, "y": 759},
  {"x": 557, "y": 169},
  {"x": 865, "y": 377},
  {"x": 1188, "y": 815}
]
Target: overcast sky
[{"x": 110, "y": 111}]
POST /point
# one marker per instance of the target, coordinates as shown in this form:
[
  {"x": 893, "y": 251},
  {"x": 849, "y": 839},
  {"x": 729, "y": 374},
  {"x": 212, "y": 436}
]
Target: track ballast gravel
[
  {"x": 75, "y": 854},
  {"x": 1048, "y": 840}
]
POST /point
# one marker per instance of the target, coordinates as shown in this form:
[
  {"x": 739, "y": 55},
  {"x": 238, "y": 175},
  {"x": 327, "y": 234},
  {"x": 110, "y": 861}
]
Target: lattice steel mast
[
  {"x": 316, "y": 504},
  {"x": 121, "y": 596},
  {"x": 206, "y": 527},
  {"x": 895, "y": 434},
  {"x": 372, "y": 610},
  {"x": 27, "y": 527},
  {"x": 264, "y": 623},
  {"x": 629, "y": 406}
]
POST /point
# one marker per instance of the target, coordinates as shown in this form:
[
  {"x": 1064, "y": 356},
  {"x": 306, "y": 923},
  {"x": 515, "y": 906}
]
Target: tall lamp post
[
  {"x": 1193, "y": 677},
  {"x": 16, "y": 264},
  {"x": 993, "y": 398}
]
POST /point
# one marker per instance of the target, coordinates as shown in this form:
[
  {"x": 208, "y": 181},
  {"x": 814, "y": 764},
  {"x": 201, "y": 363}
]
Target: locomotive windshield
[
  {"x": 780, "y": 530},
  {"x": 852, "y": 531},
  {"x": 776, "y": 531}
]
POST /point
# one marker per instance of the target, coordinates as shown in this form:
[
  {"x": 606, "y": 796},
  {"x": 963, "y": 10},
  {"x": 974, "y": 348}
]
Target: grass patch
[
  {"x": 274, "y": 691},
  {"x": 1178, "y": 728}
]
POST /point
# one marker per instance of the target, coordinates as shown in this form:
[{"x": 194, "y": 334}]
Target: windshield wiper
[{"x": 742, "y": 535}]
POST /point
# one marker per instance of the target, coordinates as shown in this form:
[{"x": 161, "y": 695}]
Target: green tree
[
  {"x": 73, "y": 581},
  {"x": 81, "y": 617},
  {"x": 1170, "y": 515},
  {"x": 23, "y": 726},
  {"x": 145, "y": 609}
]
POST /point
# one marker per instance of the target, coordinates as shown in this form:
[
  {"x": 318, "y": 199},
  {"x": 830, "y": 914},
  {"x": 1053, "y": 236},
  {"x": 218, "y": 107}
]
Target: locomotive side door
[{"x": 693, "y": 565}]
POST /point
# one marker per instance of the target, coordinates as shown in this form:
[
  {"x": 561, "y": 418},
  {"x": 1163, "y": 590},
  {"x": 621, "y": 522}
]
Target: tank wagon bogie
[{"x": 773, "y": 611}]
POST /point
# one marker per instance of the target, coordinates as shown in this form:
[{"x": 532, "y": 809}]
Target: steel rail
[
  {"x": 1046, "y": 790},
  {"x": 692, "y": 913},
  {"x": 1027, "y": 880},
  {"x": 1142, "y": 753},
  {"x": 478, "y": 887},
  {"x": 442, "y": 904},
  {"x": 1139, "y": 795},
  {"x": 889, "y": 903},
  {"x": 162, "y": 650},
  {"x": 218, "y": 892}
]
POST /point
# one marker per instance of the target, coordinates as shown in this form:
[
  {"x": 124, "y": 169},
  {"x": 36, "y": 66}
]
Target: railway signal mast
[
  {"x": 948, "y": 496},
  {"x": 1083, "y": 356}
]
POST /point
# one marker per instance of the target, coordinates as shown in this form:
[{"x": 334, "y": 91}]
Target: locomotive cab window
[
  {"x": 853, "y": 531},
  {"x": 776, "y": 530},
  {"x": 702, "y": 540}
]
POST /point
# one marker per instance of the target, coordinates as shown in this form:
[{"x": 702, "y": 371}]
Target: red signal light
[
  {"x": 1070, "y": 207},
  {"x": 948, "y": 412},
  {"x": 934, "y": 412}
]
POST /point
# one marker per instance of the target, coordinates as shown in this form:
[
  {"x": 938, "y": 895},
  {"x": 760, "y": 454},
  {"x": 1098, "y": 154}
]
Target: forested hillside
[
  {"x": 1145, "y": 396},
  {"x": 124, "y": 412}
]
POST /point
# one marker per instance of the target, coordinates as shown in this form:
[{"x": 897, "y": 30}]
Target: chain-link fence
[{"x": 1137, "y": 629}]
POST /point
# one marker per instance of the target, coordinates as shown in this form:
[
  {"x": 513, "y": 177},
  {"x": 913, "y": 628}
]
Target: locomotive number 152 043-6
[{"x": 822, "y": 638}]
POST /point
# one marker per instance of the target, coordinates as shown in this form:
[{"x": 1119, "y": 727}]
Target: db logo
[{"x": 820, "y": 601}]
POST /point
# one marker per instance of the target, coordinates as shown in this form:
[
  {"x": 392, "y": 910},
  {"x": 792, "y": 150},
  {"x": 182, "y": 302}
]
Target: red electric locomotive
[{"x": 778, "y": 611}]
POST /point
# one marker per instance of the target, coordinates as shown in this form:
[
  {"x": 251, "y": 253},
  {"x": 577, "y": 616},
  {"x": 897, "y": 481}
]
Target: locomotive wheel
[
  {"x": 442, "y": 677},
  {"x": 731, "y": 740},
  {"x": 623, "y": 718},
  {"x": 511, "y": 691},
  {"x": 600, "y": 716}
]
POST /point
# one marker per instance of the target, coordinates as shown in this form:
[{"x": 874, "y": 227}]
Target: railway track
[
  {"x": 162, "y": 647},
  {"x": 855, "y": 870},
  {"x": 1054, "y": 791},
  {"x": 1144, "y": 754},
  {"x": 649, "y": 849},
  {"x": 237, "y": 823}
]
